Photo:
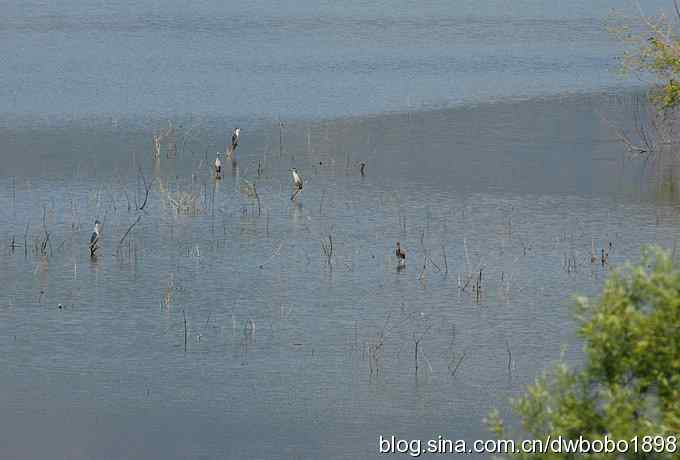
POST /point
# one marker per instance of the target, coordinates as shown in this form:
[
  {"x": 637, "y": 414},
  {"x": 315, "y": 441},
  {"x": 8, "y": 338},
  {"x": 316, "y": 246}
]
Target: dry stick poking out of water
[
  {"x": 323, "y": 195},
  {"x": 420, "y": 276},
  {"x": 427, "y": 258},
  {"x": 376, "y": 349},
  {"x": 460, "y": 360},
  {"x": 446, "y": 265},
  {"x": 257, "y": 197},
  {"x": 327, "y": 250},
  {"x": 46, "y": 241},
  {"x": 26, "y": 240},
  {"x": 184, "y": 315},
  {"x": 280, "y": 137},
  {"x": 416, "y": 343},
  {"x": 648, "y": 144},
  {"x": 418, "y": 322},
  {"x": 120, "y": 243},
  {"x": 147, "y": 189},
  {"x": 507, "y": 346}
]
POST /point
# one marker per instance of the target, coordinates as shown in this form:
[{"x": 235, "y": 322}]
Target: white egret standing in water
[
  {"x": 235, "y": 135},
  {"x": 297, "y": 183},
  {"x": 218, "y": 166}
]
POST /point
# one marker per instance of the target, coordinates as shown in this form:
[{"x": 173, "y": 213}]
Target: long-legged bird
[
  {"x": 218, "y": 166},
  {"x": 401, "y": 255},
  {"x": 94, "y": 238},
  {"x": 235, "y": 135},
  {"x": 297, "y": 183}
]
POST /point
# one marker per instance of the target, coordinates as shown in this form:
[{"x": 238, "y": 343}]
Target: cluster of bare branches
[
  {"x": 376, "y": 349},
  {"x": 454, "y": 358},
  {"x": 646, "y": 133},
  {"x": 327, "y": 250},
  {"x": 185, "y": 202}
]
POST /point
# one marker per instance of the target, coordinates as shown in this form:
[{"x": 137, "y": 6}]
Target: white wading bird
[
  {"x": 218, "y": 166},
  {"x": 297, "y": 183},
  {"x": 235, "y": 134}
]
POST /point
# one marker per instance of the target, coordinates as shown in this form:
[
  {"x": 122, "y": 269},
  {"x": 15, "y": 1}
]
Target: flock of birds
[
  {"x": 298, "y": 183},
  {"x": 235, "y": 137},
  {"x": 217, "y": 166}
]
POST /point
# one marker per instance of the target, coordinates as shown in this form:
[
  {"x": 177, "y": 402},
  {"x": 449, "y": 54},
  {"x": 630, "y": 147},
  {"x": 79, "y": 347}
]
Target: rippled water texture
[
  {"x": 223, "y": 320},
  {"x": 288, "y": 355},
  {"x": 298, "y": 59}
]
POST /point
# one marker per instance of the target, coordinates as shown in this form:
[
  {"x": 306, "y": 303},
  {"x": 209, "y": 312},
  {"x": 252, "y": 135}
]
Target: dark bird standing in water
[
  {"x": 94, "y": 238},
  {"x": 297, "y": 183},
  {"x": 401, "y": 255},
  {"x": 362, "y": 169}
]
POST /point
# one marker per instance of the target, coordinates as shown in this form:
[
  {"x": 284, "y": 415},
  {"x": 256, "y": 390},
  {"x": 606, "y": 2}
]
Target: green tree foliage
[
  {"x": 653, "y": 47},
  {"x": 629, "y": 384}
]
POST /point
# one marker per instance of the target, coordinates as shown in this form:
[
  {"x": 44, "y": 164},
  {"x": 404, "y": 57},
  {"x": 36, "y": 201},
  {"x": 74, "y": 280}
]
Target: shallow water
[
  {"x": 481, "y": 127},
  {"x": 279, "y": 360}
]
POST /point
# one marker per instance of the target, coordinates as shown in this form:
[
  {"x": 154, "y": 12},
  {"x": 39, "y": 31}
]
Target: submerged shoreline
[
  {"x": 565, "y": 142},
  {"x": 10, "y": 120}
]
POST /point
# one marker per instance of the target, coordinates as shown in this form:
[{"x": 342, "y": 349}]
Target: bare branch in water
[
  {"x": 184, "y": 315},
  {"x": 327, "y": 249},
  {"x": 623, "y": 137},
  {"x": 147, "y": 189},
  {"x": 139, "y": 217},
  {"x": 507, "y": 346},
  {"x": 460, "y": 360}
]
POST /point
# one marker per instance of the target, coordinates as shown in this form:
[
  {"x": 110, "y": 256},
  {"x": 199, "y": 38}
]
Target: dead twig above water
[
  {"x": 147, "y": 189},
  {"x": 453, "y": 369},
  {"x": 120, "y": 243},
  {"x": 327, "y": 250},
  {"x": 184, "y": 315},
  {"x": 507, "y": 347},
  {"x": 642, "y": 131}
]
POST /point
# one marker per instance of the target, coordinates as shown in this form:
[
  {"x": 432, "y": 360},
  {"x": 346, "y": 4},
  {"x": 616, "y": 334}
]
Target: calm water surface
[
  {"x": 280, "y": 359},
  {"x": 298, "y": 59}
]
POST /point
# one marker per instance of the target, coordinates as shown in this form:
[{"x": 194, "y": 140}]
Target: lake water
[
  {"x": 224, "y": 330},
  {"x": 301, "y": 59}
]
